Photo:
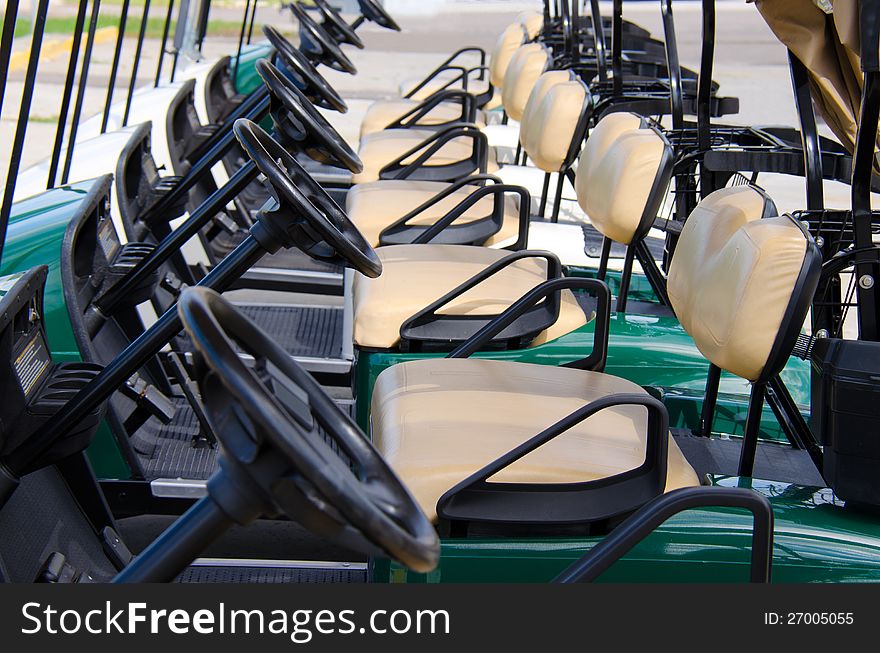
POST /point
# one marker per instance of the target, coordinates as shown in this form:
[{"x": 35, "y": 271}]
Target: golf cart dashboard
[
  {"x": 139, "y": 184},
  {"x": 35, "y": 387}
]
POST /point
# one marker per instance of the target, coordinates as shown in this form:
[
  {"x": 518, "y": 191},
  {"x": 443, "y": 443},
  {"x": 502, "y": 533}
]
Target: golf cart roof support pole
[
  {"x": 172, "y": 243},
  {"x": 704, "y": 91},
  {"x": 244, "y": 19},
  {"x": 6, "y": 44},
  {"x": 800, "y": 83},
  {"x": 574, "y": 42},
  {"x": 114, "y": 67},
  {"x": 137, "y": 60},
  {"x": 162, "y": 47},
  {"x": 215, "y": 153},
  {"x": 599, "y": 40},
  {"x": 673, "y": 65},
  {"x": 68, "y": 91},
  {"x": 27, "y": 95},
  {"x": 202, "y": 27},
  {"x": 617, "y": 49},
  {"x": 864, "y": 160},
  {"x": 250, "y": 33},
  {"x": 133, "y": 357},
  {"x": 81, "y": 90}
]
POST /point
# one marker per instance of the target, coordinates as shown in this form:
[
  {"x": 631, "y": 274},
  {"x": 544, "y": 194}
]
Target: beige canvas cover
[{"x": 827, "y": 42}]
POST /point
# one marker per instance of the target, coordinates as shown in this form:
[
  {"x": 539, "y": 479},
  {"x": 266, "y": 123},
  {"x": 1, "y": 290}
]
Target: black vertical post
[
  {"x": 800, "y": 83},
  {"x": 673, "y": 65},
  {"x": 603, "y": 258},
  {"x": 599, "y": 40},
  {"x": 114, "y": 67},
  {"x": 545, "y": 190},
  {"x": 710, "y": 400},
  {"x": 557, "y": 198},
  {"x": 66, "y": 94},
  {"x": 27, "y": 95},
  {"x": 244, "y": 20},
  {"x": 6, "y": 44},
  {"x": 165, "y": 30},
  {"x": 137, "y": 59},
  {"x": 174, "y": 58},
  {"x": 752, "y": 429},
  {"x": 867, "y": 285},
  {"x": 617, "y": 49},
  {"x": 625, "y": 277},
  {"x": 204, "y": 14},
  {"x": 251, "y": 25},
  {"x": 704, "y": 92},
  {"x": 81, "y": 90}
]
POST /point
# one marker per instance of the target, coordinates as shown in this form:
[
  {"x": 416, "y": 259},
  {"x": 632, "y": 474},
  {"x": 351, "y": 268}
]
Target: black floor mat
[
  {"x": 167, "y": 450},
  {"x": 314, "y": 331},
  {"x": 218, "y": 574},
  {"x": 170, "y": 450},
  {"x": 305, "y": 331},
  {"x": 777, "y": 462}
]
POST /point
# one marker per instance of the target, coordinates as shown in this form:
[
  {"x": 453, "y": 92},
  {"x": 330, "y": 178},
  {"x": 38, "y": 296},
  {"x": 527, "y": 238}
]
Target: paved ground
[{"x": 750, "y": 64}]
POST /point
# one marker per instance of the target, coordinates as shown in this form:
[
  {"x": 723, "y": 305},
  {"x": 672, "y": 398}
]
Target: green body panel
[
  {"x": 246, "y": 77},
  {"x": 36, "y": 229},
  {"x": 652, "y": 351},
  {"x": 34, "y": 237},
  {"x": 816, "y": 540}
]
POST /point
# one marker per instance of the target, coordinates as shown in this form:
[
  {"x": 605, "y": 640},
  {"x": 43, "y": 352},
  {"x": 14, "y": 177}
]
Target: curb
[{"x": 54, "y": 48}]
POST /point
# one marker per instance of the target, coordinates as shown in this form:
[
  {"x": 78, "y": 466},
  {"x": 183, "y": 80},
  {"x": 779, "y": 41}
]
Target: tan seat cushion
[
  {"x": 381, "y": 148},
  {"x": 733, "y": 278},
  {"x": 384, "y": 112},
  {"x": 437, "y": 421},
  {"x": 617, "y": 171},
  {"x": 376, "y": 205},
  {"x": 413, "y": 276}
]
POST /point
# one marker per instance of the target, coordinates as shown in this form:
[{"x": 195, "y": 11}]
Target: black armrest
[
  {"x": 473, "y": 232},
  {"x": 430, "y": 326},
  {"x": 478, "y": 499},
  {"x": 651, "y": 516},
  {"x": 466, "y": 100},
  {"x": 595, "y": 361},
  {"x": 416, "y": 169},
  {"x": 447, "y": 65}
]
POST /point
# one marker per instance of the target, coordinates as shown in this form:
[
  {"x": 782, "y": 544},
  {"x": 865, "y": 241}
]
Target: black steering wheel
[
  {"x": 375, "y": 12},
  {"x": 335, "y": 24},
  {"x": 315, "y": 87},
  {"x": 327, "y": 233},
  {"x": 315, "y": 41},
  {"x": 292, "y": 446},
  {"x": 301, "y": 126}
]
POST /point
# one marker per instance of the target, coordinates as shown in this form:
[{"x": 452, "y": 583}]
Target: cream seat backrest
[
  {"x": 741, "y": 282},
  {"x": 526, "y": 66},
  {"x": 533, "y": 22},
  {"x": 507, "y": 44},
  {"x": 622, "y": 176},
  {"x": 554, "y": 120}
]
